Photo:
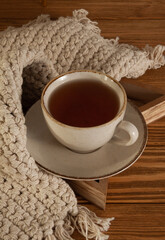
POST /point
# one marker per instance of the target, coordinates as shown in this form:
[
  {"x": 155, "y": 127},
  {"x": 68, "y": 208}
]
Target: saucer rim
[{"x": 137, "y": 156}]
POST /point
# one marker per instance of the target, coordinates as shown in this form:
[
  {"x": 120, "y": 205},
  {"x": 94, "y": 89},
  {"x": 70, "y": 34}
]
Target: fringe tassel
[
  {"x": 89, "y": 225},
  {"x": 51, "y": 237},
  {"x": 156, "y": 56},
  {"x": 114, "y": 42},
  {"x": 81, "y": 16},
  {"x": 86, "y": 222},
  {"x": 62, "y": 234},
  {"x": 63, "y": 230}
]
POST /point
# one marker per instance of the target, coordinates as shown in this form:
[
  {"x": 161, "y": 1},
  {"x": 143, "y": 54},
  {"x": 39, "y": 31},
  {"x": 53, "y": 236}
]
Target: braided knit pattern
[{"x": 35, "y": 204}]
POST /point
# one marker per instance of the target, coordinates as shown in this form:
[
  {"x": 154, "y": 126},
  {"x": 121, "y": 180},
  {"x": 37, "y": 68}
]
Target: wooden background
[{"x": 136, "y": 197}]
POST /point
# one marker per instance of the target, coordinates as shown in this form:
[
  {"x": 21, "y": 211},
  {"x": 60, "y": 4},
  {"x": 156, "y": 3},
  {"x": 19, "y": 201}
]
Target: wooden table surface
[{"x": 136, "y": 197}]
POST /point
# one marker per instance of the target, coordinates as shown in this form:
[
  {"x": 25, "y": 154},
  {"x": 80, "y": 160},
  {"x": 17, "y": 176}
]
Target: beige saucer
[{"x": 107, "y": 161}]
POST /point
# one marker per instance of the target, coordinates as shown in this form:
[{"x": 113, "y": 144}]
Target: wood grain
[
  {"x": 133, "y": 221},
  {"x": 140, "y": 91},
  {"x": 114, "y": 9},
  {"x": 136, "y": 197},
  {"x": 153, "y": 110},
  {"x": 94, "y": 191}
]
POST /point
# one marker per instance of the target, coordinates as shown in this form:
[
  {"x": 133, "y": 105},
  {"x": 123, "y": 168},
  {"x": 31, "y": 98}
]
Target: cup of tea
[{"x": 83, "y": 110}]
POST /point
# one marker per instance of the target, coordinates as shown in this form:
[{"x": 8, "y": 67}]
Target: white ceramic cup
[{"x": 88, "y": 139}]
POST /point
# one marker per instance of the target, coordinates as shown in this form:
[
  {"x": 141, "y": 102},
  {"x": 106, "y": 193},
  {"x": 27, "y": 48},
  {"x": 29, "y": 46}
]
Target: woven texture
[{"x": 35, "y": 204}]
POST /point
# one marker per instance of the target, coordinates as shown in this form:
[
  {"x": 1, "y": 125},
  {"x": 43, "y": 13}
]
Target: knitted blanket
[{"x": 33, "y": 203}]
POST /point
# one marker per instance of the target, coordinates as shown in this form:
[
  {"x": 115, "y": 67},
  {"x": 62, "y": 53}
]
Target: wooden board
[
  {"x": 93, "y": 191},
  {"x": 105, "y": 9}
]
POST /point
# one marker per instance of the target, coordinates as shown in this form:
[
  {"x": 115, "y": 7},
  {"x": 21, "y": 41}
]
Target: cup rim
[{"x": 73, "y": 127}]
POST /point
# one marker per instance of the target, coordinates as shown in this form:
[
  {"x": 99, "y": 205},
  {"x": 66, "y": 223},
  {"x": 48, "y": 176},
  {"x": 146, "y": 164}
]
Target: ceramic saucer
[{"x": 107, "y": 161}]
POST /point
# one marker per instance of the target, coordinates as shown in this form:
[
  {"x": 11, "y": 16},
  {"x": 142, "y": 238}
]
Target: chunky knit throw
[{"x": 33, "y": 203}]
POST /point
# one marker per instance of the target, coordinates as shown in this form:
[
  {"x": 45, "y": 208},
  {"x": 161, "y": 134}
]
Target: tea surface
[{"x": 83, "y": 103}]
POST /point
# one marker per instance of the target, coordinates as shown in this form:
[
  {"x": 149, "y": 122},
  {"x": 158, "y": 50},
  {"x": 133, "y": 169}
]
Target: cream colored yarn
[{"x": 35, "y": 204}]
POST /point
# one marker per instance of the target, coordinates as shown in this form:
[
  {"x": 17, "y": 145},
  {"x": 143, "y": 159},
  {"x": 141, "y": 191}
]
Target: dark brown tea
[{"x": 83, "y": 103}]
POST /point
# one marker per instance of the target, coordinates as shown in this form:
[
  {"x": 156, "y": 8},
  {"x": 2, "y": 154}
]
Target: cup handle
[{"x": 130, "y": 129}]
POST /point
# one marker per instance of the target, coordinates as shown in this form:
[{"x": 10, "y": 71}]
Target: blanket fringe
[
  {"x": 81, "y": 16},
  {"x": 87, "y": 224},
  {"x": 51, "y": 237},
  {"x": 156, "y": 56}
]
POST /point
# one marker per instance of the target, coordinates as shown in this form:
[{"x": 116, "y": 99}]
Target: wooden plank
[
  {"x": 95, "y": 192},
  {"x": 153, "y": 110},
  {"x": 154, "y": 79},
  {"x": 142, "y": 9},
  {"x": 113, "y": 9},
  {"x": 134, "y": 31},
  {"x": 141, "y": 92},
  {"x": 133, "y": 221}
]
